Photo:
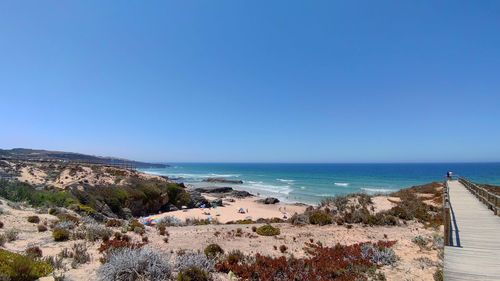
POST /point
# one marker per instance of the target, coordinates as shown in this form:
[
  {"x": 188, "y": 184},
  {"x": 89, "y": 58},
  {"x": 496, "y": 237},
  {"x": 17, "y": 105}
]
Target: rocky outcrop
[
  {"x": 222, "y": 180},
  {"x": 104, "y": 209},
  {"x": 241, "y": 194},
  {"x": 197, "y": 199},
  {"x": 214, "y": 189},
  {"x": 224, "y": 191},
  {"x": 216, "y": 202},
  {"x": 142, "y": 208},
  {"x": 269, "y": 200}
]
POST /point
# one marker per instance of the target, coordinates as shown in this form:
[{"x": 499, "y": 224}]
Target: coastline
[
  {"x": 233, "y": 208},
  {"x": 252, "y": 209},
  {"x": 355, "y": 220}
]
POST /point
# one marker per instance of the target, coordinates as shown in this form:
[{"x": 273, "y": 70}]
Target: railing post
[
  {"x": 446, "y": 213},
  {"x": 447, "y": 223}
]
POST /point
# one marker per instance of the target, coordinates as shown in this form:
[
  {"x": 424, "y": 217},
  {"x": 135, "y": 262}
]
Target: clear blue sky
[{"x": 280, "y": 81}]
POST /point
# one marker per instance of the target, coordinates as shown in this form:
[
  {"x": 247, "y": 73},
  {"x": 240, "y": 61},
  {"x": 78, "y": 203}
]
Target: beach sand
[{"x": 229, "y": 212}]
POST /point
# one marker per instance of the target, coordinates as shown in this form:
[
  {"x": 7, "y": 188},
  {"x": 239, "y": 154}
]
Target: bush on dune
[
  {"x": 323, "y": 263},
  {"x": 320, "y": 218},
  {"x": 22, "y": 268},
  {"x": 60, "y": 234},
  {"x": 33, "y": 219},
  {"x": 268, "y": 230},
  {"x": 192, "y": 259},
  {"x": 412, "y": 207},
  {"x": 135, "y": 264},
  {"x": 19, "y": 191},
  {"x": 193, "y": 274},
  {"x": 213, "y": 250}
]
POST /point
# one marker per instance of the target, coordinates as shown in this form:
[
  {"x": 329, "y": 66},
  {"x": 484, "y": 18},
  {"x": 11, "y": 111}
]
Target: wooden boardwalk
[{"x": 475, "y": 254}]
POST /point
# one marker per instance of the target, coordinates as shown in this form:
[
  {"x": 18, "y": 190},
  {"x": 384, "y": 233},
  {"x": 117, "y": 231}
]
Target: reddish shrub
[
  {"x": 117, "y": 244},
  {"x": 346, "y": 263}
]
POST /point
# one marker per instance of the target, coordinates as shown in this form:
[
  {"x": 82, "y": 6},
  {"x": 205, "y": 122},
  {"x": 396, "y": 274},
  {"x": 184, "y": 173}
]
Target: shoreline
[{"x": 230, "y": 211}]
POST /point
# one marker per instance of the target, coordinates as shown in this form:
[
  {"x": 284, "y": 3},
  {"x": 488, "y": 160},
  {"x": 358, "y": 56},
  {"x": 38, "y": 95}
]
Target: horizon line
[{"x": 313, "y": 163}]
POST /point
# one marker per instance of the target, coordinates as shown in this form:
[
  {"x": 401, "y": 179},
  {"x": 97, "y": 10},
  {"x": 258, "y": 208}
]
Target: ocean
[{"x": 309, "y": 183}]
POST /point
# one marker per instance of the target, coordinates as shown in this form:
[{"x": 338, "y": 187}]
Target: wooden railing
[
  {"x": 491, "y": 200},
  {"x": 447, "y": 215}
]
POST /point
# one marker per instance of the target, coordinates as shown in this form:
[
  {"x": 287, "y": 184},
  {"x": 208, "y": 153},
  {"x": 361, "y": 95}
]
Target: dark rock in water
[
  {"x": 269, "y": 200},
  {"x": 214, "y": 189},
  {"x": 222, "y": 180},
  {"x": 225, "y": 191},
  {"x": 217, "y": 202},
  {"x": 182, "y": 185}
]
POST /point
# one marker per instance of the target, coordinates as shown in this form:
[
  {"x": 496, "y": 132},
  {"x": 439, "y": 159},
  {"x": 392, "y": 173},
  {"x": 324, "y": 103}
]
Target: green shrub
[
  {"x": 60, "y": 234},
  {"x": 22, "y": 268},
  {"x": 268, "y": 230},
  {"x": 320, "y": 218},
  {"x": 33, "y": 219},
  {"x": 193, "y": 274},
  {"x": 213, "y": 250},
  {"x": 83, "y": 209},
  {"x": 19, "y": 191}
]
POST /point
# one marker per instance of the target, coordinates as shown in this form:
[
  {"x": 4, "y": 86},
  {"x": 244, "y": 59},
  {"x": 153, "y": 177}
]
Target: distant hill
[{"x": 47, "y": 155}]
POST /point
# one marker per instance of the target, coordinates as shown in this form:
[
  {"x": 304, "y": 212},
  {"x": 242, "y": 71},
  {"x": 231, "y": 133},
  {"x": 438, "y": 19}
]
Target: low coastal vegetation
[
  {"x": 138, "y": 197},
  {"x": 17, "y": 267},
  {"x": 341, "y": 262},
  {"x": 420, "y": 203},
  {"x": 268, "y": 230},
  {"x": 99, "y": 224}
]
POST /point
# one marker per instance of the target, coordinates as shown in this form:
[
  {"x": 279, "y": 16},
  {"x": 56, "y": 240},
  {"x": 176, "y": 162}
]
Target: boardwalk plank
[{"x": 478, "y": 258}]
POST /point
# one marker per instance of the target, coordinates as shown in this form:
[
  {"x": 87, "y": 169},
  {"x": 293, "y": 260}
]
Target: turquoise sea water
[{"x": 309, "y": 183}]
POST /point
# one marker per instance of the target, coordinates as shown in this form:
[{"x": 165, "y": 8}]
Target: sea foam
[
  {"x": 376, "y": 190},
  {"x": 285, "y": 180}
]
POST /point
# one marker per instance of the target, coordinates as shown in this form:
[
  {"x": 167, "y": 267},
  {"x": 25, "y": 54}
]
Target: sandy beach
[{"x": 230, "y": 211}]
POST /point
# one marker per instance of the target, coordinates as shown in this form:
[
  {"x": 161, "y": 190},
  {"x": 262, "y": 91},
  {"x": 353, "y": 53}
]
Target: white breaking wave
[
  {"x": 377, "y": 190},
  {"x": 260, "y": 187},
  {"x": 341, "y": 184},
  {"x": 285, "y": 180}
]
